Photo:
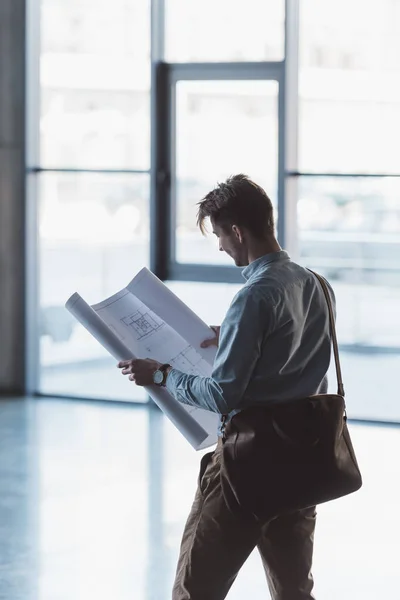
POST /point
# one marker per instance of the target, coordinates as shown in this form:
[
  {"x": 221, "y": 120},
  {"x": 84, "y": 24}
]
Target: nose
[{"x": 220, "y": 246}]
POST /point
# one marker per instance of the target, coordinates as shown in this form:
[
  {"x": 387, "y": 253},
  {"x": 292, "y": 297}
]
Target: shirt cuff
[{"x": 172, "y": 381}]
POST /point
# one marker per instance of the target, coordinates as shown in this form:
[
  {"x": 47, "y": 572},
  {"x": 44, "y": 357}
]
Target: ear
[{"x": 238, "y": 233}]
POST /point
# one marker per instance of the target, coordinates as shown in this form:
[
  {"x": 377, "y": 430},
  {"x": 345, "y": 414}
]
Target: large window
[
  {"x": 349, "y": 222},
  {"x": 93, "y": 186},
  {"x": 127, "y": 147}
]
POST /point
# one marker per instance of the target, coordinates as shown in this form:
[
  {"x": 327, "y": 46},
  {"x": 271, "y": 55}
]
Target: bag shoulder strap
[{"x": 332, "y": 332}]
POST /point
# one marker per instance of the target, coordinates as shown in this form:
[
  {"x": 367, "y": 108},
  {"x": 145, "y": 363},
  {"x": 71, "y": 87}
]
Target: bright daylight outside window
[
  {"x": 349, "y": 227},
  {"x": 93, "y": 226},
  {"x": 226, "y": 30},
  {"x": 222, "y": 127},
  {"x": 95, "y": 114}
]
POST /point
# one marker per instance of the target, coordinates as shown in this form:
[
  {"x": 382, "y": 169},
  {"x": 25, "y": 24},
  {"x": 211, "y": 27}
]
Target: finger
[
  {"x": 126, "y": 371},
  {"x": 131, "y": 378},
  {"x": 124, "y": 363}
]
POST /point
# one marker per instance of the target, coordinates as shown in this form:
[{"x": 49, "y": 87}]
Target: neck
[{"x": 262, "y": 247}]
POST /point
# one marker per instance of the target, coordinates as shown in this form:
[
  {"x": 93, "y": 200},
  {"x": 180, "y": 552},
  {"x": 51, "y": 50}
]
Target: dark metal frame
[{"x": 166, "y": 76}]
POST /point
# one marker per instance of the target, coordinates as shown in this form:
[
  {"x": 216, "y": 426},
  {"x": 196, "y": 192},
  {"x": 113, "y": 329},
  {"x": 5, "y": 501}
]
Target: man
[{"x": 274, "y": 346}]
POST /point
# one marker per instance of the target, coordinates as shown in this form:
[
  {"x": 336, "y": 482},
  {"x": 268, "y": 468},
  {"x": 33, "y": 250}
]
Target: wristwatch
[{"x": 160, "y": 376}]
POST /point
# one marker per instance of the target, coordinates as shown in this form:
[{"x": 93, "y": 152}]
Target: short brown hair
[{"x": 238, "y": 201}]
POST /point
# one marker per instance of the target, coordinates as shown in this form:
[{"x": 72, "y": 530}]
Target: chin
[{"x": 240, "y": 263}]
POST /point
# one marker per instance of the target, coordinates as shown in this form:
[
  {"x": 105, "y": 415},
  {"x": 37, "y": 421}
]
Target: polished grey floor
[{"x": 94, "y": 496}]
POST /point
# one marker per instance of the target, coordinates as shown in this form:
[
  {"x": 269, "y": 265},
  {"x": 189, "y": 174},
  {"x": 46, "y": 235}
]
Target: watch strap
[{"x": 164, "y": 369}]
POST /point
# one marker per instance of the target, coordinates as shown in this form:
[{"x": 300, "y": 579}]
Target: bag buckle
[{"x": 223, "y": 426}]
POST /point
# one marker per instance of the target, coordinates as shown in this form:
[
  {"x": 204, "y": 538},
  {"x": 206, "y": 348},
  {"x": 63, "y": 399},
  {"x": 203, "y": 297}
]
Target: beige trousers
[{"x": 216, "y": 543}]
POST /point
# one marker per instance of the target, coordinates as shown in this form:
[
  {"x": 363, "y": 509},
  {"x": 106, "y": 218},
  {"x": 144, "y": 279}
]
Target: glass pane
[
  {"x": 227, "y": 30},
  {"x": 222, "y": 128},
  {"x": 93, "y": 238},
  {"x": 349, "y": 230},
  {"x": 95, "y": 81},
  {"x": 349, "y": 95}
]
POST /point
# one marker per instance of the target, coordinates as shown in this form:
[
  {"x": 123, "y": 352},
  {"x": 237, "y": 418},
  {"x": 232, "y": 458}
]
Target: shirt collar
[{"x": 261, "y": 263}]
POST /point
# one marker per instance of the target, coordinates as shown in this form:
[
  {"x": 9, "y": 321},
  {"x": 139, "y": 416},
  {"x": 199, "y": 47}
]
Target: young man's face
[{"x": 231, "y": 241}]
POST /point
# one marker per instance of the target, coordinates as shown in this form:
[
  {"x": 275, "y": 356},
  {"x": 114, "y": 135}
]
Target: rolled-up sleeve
[{"x": 241, "y": 339}]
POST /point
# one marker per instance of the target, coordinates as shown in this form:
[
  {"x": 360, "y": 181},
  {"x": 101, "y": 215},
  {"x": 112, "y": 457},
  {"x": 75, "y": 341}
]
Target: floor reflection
[{"x": 94, "y": 497}]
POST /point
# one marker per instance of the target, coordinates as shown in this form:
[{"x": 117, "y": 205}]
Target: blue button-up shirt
[{"x": 274, "y": 342}]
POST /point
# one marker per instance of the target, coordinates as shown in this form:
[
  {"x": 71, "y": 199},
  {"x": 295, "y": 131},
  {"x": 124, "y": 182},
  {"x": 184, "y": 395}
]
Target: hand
[
  {"x": 139, "y": 371},
  {"x": 212, "y": 341}
]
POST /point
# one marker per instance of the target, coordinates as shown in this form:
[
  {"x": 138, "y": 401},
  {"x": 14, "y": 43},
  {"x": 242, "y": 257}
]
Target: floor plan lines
[
  {"x": 143, "y": 323},
  {"x": 190, "y": 361}
]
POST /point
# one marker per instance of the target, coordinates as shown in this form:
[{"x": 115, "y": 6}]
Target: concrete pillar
[{"x": 12, "y": 186}]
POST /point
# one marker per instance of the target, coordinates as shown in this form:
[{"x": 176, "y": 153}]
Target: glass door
[{"x": 219, "y": 127}]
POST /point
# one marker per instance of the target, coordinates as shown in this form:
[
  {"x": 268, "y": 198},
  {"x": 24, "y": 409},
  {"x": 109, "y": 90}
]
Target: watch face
[{"x": 158, "y": 377}]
